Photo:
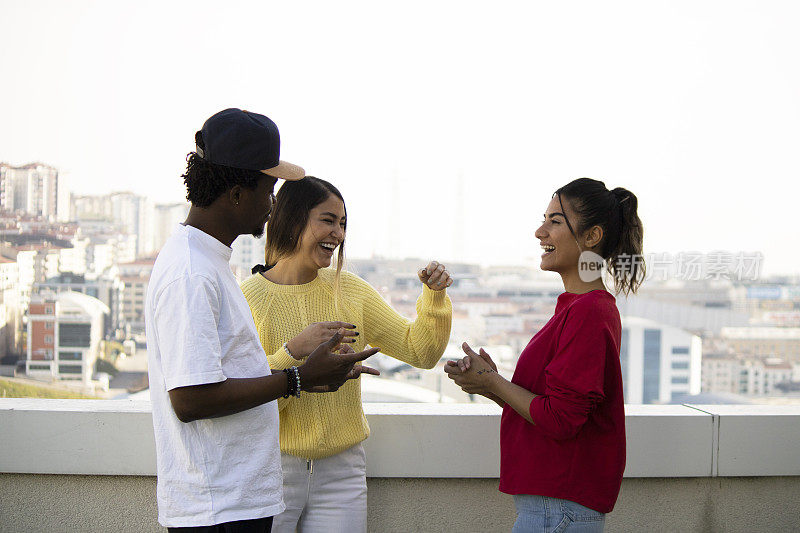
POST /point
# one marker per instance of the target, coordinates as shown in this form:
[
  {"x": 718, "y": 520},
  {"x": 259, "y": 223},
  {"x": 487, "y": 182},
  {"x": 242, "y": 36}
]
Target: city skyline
[
  {"x": 737, "y": 338},
  {"x": 662, "y": 266}
]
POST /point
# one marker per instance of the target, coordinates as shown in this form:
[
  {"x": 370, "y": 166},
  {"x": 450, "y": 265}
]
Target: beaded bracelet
[
  {"x": 292, "y": 382},
  {"x": 289, "y": 383},
  {"x": 297, "y": 379}
]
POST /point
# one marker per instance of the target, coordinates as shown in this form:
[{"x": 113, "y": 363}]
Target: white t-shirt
[{"x": 200, "y": 330}]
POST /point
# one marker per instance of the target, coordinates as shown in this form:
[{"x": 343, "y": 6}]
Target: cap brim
[{"x": 286, "y": 171}]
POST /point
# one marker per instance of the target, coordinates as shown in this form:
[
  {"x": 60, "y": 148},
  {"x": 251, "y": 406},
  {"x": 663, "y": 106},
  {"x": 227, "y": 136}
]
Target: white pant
[{"x": 327, "y": 494}]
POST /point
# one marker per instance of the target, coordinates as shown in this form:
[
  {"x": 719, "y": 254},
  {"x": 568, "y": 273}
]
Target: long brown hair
[{"x": 289, "y": 217}]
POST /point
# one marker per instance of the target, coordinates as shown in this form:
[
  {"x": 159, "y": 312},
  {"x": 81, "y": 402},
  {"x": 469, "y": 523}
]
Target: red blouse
[{"x": 575, "y": 450}]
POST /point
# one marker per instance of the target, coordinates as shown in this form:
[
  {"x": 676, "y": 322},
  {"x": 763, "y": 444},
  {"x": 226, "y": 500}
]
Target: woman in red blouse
[{"x": 562, "y": 433}]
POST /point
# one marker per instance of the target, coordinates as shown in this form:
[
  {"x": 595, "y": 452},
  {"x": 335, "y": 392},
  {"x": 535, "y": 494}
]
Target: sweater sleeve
[
  {"x": 420, "y": 343},
  {"x": 574, "y": 377},
  {"x": 280, "y": 360}
]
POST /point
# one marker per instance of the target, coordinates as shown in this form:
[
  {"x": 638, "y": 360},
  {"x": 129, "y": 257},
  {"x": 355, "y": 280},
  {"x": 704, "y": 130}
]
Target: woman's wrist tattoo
[{"x": 485, "y": 371}]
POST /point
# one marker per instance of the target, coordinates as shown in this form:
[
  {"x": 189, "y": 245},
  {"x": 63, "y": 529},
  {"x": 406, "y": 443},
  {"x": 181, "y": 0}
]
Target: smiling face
[
  {"x": 561, "y": 249},
  {"x": 324, "y": 232}
]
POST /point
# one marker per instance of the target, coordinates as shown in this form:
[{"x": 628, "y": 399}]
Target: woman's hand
[
  {"x": 355, "y": 373},
  {"x": 317, "y": 333},
  {"x": 475, "y": 373},
  {"x": 435, "y": 276}
]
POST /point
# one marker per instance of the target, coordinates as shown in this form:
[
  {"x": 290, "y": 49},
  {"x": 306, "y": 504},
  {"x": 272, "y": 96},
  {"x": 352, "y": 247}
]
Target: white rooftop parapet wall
[
  {"x": 115, "y": 437},
  {"x": 755, "y": 440}
]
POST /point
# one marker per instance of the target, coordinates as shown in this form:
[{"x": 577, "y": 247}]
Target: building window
[
  {"x": 70, "y": 356},
  {"x": 69, "y": 369},
  {"x": 48, "y": 309},
  {"x": 680, "y": 365},
  {"x": 680, "y": 380},
  {"x": 39, "y": 367},
  {"x": 652, "y": 365},
  {"x": 77, "y": 335},
  {"x": 48, "y": 339},
  {"x": 680, "y": 350},
  {"x": 48, "y": 325}
]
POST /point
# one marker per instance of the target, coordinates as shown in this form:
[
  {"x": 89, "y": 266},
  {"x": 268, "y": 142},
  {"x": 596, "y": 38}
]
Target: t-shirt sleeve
[
  {"x": 574, "y": 377},
  {"x": 186, "y": 315}
]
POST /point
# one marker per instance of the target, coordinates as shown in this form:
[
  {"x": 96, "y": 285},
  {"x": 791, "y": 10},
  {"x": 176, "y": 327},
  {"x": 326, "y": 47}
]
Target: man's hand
[
  {"x": 325, "y": 367},
  {"x": 234, "y": 395},
  {"x": 317, "y": 333}
]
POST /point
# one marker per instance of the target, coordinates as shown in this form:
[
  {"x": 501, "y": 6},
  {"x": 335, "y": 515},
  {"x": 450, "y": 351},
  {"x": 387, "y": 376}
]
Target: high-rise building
[
  {"x": 136, "y": 214},
  {"x": 134, "y": 276},
  {"x": 167, "y": 217},
  {"x": 131, "y": 214},
  {"x": 31, "y": 189},
  {"x": 10, "y": 315},
  {"x": 658, "y": 362}
]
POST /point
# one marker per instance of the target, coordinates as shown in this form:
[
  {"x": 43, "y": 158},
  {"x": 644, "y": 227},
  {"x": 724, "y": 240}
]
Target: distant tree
[{"x": 101, "y": 365}]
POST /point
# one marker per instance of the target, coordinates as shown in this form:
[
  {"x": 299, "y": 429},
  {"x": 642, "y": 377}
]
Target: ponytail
[{"x": 625, "y": 260}]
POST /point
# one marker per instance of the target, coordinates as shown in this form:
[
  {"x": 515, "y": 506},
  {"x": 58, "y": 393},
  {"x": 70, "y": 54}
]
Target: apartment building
[
  {"x": 782, "y": 343},
  {"x": 31, "y": 189},
  {"x": 747, "y": 375},
  {"x": 135, "y": 277},
  {"x": 64, "y": 332},
  {"x": 108, "y": 288}
]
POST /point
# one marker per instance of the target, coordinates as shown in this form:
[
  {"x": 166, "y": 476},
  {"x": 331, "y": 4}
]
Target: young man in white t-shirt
[{"x": 214, "y": 414}]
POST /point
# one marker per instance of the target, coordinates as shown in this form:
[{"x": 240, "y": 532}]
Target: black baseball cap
[{"x": 241, "y": 139}]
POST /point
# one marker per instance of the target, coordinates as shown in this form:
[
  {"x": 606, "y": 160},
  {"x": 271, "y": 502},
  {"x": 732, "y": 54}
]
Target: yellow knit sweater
[{"x": 320, "y": 425}]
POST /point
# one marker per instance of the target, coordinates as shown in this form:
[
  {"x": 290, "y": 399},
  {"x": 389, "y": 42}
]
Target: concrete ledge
[
  {"x": 127, "y": 504},
  {"x": 414, "y": 455},
  {"x": 758, "y": 440},
  {"x": 108, "y": 437},
  {"x": 433, "y": 440},
  {"x": 115, "y": 437},
  {"x": 668, "y": 441}
]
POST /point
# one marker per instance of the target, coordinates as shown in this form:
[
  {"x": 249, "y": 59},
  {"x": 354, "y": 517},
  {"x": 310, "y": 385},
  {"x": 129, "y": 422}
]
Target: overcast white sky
[{"x": 447, "y": 126}]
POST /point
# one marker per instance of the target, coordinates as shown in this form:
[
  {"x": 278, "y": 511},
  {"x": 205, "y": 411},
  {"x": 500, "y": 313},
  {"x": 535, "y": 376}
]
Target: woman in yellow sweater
[{"x": 298, "y": 302}]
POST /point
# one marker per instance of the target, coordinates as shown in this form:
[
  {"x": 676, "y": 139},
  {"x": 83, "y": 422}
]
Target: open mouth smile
[{"x": 329, "y": 247}]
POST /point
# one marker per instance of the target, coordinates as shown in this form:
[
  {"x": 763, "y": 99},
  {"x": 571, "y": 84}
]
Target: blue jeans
[{"x": 542, "y": 514}]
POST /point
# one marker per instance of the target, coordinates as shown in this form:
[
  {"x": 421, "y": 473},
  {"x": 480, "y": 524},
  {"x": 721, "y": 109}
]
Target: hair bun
[{"x": 621, "y": 194}]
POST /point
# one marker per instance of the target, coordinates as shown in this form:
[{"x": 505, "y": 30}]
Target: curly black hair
[{"x": 205, "y": 182}]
